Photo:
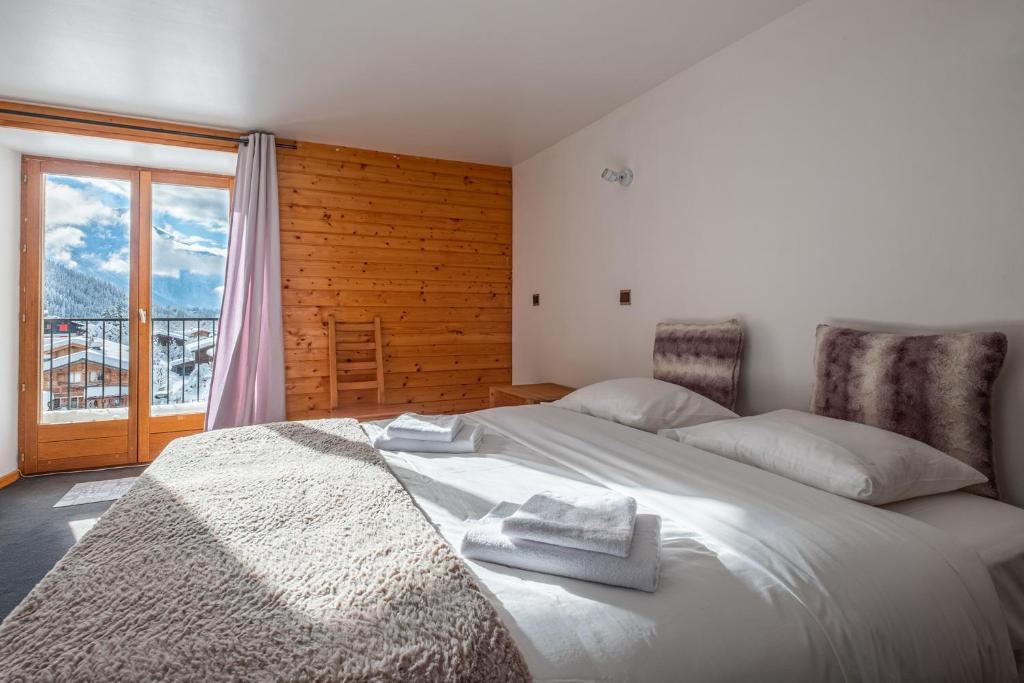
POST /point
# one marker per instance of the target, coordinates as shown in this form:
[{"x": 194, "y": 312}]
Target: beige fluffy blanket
[{"x": 285, "y": 552}]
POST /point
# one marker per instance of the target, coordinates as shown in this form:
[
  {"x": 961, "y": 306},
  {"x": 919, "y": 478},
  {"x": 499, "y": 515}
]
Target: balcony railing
[
  {"x": 81, "y": 355},
  {"x": 187, "y": 346},
  {"x": 85, "y": 361}
]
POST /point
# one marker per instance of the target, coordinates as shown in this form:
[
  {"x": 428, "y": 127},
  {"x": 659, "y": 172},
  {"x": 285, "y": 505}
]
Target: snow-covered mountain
[
  {"x": 74, "y": 293},
  {"x": 88, "y": 245}
]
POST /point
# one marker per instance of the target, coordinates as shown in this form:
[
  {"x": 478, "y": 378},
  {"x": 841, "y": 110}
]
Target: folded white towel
[
  {"x": 466, "y": 441},
  {"x": 599, "y": 522},
  {"x": 484, "y": 541},
  {"x": 425, "y": 427}
]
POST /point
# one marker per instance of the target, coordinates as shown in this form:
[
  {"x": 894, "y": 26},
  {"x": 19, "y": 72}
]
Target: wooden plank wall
[{"x": 426, "y": 244}]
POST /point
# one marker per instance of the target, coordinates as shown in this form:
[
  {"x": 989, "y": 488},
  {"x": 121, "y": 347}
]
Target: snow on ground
[
  {"x": 51, "y": 417},
  {"x": 178, "y": 408},
  {"x": 172, "y": 392}
]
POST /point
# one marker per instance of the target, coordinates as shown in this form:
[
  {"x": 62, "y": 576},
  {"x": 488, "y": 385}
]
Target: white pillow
[
  {"x": 644, "y": 403},
  {"x": 846, "y": 458}
]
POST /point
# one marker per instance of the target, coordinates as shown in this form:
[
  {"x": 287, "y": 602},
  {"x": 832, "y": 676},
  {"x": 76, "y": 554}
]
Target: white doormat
[{"x": 95, "y": 491}]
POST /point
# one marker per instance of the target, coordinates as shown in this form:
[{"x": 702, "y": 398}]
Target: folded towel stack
[
  {"x": 425, "y": 427},
  {"x": 425, "y": 434},
  {"x": 596, "y": 538},
  {"x": 601, "y": 523}
]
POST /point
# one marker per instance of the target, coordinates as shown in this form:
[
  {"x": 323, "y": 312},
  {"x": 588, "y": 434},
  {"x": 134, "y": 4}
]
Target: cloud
[
  {"x": 179, "y": 236},
  {"x": 67, "y": 205},
  {"x": 59, "y": 241},
  {"x": 121, "y": 188},
  {"x": 219, "y": 291},
  {"x": 117, "y": 262},
  {"x": 206, "y": 206},
  {"x": 172, "y": 255},
  {"x": 80, "y": 208}
]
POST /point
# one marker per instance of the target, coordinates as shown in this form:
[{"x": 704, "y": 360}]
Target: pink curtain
[{"x": 248, "y": 369}]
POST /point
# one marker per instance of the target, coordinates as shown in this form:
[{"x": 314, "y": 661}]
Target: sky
[{"x": 86, "y": 229}]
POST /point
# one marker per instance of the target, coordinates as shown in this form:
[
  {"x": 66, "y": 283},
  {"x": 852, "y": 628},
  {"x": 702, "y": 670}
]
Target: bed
[
  {"x": 296, "y": 551},
  {"x": 240, "y": 554},
  {"x": 761, "y": 577},
  {"x": 992, "y": 529}
]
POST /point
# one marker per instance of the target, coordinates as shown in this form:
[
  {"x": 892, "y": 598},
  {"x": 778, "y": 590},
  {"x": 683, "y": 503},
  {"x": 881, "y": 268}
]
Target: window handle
[{"x": 142, "y": 316}]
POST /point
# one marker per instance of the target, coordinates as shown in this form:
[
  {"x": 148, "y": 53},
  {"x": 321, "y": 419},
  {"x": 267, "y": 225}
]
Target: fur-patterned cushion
[
  {"x": 933, "y": 388},
  {"x": 703, "y": 357}
]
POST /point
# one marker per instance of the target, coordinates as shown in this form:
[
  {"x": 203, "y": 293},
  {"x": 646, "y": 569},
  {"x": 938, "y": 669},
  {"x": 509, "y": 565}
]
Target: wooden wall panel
[{"x": 426, "y": 244}]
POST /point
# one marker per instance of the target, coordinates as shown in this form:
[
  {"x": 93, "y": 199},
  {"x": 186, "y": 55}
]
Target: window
[
  {"x": 131, "y": 265},
  {"x": 189, "y": 244}
]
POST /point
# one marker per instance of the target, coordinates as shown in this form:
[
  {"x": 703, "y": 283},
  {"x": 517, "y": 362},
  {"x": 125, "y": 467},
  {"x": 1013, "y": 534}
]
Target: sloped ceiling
[{"x": 487, "y": 81}]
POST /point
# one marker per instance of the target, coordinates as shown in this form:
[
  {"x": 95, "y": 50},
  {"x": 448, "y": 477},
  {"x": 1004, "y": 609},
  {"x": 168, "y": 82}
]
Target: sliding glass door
[{"x": 122, "y": 274}]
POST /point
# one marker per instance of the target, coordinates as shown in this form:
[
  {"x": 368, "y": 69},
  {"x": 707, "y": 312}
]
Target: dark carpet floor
[{"x": 34, "y": 534}]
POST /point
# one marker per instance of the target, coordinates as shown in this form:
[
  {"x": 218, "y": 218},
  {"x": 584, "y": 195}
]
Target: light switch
[
  {"x": 625, "y": 297},
  {"x": 536, "y": 299}
]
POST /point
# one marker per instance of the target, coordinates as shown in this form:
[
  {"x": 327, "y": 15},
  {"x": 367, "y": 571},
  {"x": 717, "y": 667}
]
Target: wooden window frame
[
  {"x": 154, "y": 432},
  {"x": 144, "y": 435}
]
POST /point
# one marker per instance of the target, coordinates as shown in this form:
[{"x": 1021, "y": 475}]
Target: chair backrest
[{"x": 357, "y": 350}]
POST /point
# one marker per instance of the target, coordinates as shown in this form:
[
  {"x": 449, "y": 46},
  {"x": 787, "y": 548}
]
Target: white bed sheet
[
  {"x": 762, "y": 578},
  {"x": 995, "y": 531}
]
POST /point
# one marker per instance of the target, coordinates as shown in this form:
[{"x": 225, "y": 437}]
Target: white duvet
[{"x": 762, "y": 578}]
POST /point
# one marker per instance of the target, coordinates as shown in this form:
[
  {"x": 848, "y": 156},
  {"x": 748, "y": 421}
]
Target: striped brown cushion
[
  {"x": 933, "y": 388},
  {"x": 703, "y": 357}
]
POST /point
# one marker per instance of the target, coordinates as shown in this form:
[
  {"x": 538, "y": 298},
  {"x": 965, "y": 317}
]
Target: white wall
[
  {"x": 10, "y": 214},
  {"x": 857, "y": 162}
]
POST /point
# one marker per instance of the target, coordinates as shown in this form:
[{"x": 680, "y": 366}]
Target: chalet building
[
  {"x": 58, "y": 326},
  {"x": 164, "y": 339},
  {"x": 61, "y": 346},
  {"x": 76, "y": 376},
  {"x": 198, "y": 351}
]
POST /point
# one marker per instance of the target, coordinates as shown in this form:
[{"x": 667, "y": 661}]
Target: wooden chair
[{"x": 361, "y": 338}]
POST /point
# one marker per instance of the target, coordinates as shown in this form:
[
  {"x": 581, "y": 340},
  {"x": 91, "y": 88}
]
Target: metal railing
[
  {"x": 98, "y": 345},
  {"x": 67, "y": 331},
  {"x": 191, "y": 334}
]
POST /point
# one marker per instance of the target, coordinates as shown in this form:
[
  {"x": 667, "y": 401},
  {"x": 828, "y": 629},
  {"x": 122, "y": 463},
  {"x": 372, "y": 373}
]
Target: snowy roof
[
  {"x": 203, "y": 343},
  {"x": 176, "y": 336},
  {"x": 95, "y": 343},
  {"x": 188, "y": 359},
  {"x": 59, "y": 342},
  {"x": 95, "y": 358}
]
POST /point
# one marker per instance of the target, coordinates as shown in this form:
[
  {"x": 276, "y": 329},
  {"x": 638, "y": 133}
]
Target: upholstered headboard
[
  {"x": 933, "y": 388},
  {"x": 703, "y": 357}
]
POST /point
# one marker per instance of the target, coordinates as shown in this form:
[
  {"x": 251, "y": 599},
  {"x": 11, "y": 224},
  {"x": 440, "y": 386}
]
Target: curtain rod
[{"x": 131, "y": 126}]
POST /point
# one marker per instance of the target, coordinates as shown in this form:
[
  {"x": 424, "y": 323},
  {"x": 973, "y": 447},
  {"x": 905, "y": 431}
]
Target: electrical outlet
[
  {"x": 536, "y": 299},
  {"x": 625, "y": 297}
]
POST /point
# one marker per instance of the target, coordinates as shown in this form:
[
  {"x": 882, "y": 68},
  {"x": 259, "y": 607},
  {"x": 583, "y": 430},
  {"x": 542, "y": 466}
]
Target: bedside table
[{"x": 526, "y": 394}]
